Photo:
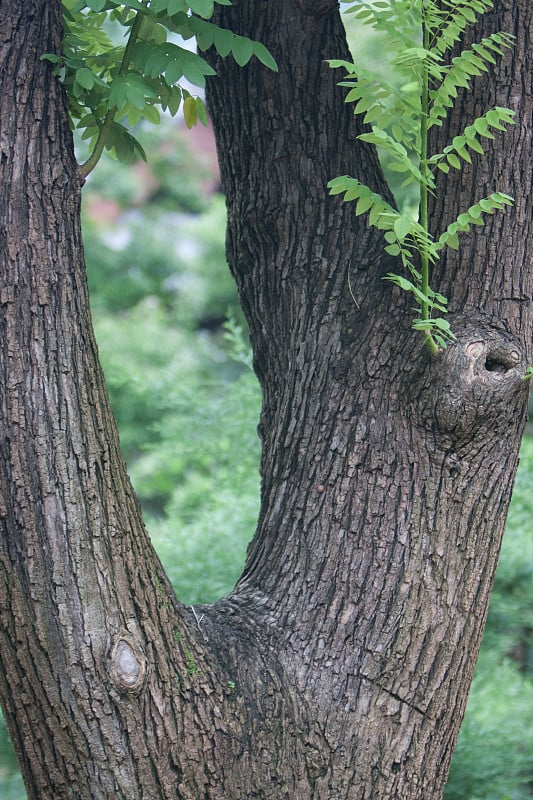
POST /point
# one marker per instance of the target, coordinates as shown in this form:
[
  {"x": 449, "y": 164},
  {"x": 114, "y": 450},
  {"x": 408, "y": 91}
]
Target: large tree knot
[
  {"x": 128, "y": 665},
  {"x": 475, "y": 385}
]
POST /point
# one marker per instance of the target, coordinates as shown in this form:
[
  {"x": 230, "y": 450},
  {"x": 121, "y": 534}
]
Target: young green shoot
[{"x": 421, "y": 33}]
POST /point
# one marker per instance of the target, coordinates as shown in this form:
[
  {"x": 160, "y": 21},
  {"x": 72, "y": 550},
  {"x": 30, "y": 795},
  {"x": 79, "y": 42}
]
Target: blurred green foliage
[
  {"x": 187, "y": 404},
  {"x": 11, "y": 784},
  {"x": 493, "y": 759},
  {"x": 368, "y": 47},
  {"x": 493, "y": 756}
]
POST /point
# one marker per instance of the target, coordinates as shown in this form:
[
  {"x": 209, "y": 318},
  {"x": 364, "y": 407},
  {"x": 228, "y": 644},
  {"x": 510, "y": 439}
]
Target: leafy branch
[
  {"x": 111, "y": 87},
  {"x": 421, "y": 33},
  {"x": 104, "y": 132}
]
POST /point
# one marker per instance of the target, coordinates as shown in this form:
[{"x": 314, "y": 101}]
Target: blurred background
[{"x": 174, "y": 349}]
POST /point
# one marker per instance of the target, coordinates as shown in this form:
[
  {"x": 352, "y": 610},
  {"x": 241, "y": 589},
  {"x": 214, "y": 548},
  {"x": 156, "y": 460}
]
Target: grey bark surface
[
  {"x": 386, "y": 475},
  {"x": 340, "y": 665}
]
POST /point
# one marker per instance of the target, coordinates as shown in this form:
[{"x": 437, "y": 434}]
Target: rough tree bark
[{"x": 340, "y": 665}]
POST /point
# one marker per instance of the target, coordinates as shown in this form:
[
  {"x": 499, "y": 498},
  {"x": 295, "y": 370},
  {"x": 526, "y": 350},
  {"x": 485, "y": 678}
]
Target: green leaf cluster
[
  {"x": 404, "y": 237},
  {"x": 470, "y": 63},
  {"x": 458, "y": 149},
  {"x": 112, "y": 87},
  {"x": 472, "y": 216},
  {"x": 420, "y": 35}
]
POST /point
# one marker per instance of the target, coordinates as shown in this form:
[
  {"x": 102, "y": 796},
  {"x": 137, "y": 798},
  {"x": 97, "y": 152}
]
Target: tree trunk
[
  {"x": 340, "y": 665},
  {"x": 386, "y": 475}
]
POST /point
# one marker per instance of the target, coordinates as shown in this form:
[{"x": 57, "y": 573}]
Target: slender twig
[
  {"x": 103, "y": 134},
  {"x": 351, "y": 291},
  {"x": 198, "y": 621}
]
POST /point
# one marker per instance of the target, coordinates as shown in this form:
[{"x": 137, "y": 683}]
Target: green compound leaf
[
  {"x": 123, "y": 145},
  {"x": 85, "y": 78},
  {"x": 190, "y": 113},
  {"x": 449, "y": 25},
  {"x": 223, "y": 41},
  {"x": 263, "y": 55},
  {"x": 242, "y": 50},
  {"x": 175, "y": 6},
  {"x": 226, "y": 42},
  {"x": 403, "y": 226},
  {"x": 474, "y": 216},
  {"x": 401, "y": 282},
  {"x": 496, "y": 118},
  {"x": 393, "y": 249},
  {"x": 107, "y": 82},
  {"x": 389, "y": 109},
  {"x": 204, "y": 8},
  {"x": 381, "y": 216},
  {"x": 463, "y": 67},
  {"x": 419, "y": 35},
  {"x": 388, "y": 144}
]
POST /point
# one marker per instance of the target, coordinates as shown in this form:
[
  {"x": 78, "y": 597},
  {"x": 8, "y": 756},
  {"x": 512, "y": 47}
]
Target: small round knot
[{"x": 128, "y": 665}]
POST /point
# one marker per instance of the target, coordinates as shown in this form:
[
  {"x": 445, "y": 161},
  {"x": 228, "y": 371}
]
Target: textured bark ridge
[
  {"x": 313, "y": 8},
  {"x": 339, "y": 666}
]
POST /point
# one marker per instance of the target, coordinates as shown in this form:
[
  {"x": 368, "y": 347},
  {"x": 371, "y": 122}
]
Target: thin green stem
[
  {"x": 105, "y": 130},
  {"x": 424, "y": 194}
]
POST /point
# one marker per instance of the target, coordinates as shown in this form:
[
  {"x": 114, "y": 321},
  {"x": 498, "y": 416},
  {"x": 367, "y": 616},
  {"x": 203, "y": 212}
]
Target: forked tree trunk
[{"x": 340, "y": 665}]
